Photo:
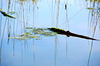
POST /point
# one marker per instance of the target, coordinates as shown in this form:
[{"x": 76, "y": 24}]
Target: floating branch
[
  {"x": 68, "y": 33},
  {"x": 6, "y": 15},
  {"x": 38, "y": 32}
]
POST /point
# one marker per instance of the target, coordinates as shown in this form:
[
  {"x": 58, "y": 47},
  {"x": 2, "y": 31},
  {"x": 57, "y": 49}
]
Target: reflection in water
[
  {"x": 55, "y": 51},
  {"x": 0, "y": 32},
  {"x": 56, "y": 38},
  {"x": 0, "y": 19},
  {"x": 58, "y": 13},
  {"x": 90, "y": 53},
  {"x": 26, "y": 12},
  {"x": 14, "y": 48},
  {"x": 3, "y": 32},
  {"x": 0, "y": 38},
  {"x": 67, "y": 21},
  {"x": 8, "y": 25},
  {"x": 33, "y": 26},
  {"x": 71, "y": 16},
  {"x": 67, "y": 25},
  {"x": 33, "y": 52},
  {"x": 1, "y": 41},
  {"x": 0, "y": 24},
  {"x": 0, "y": 56},
  {"x": 22, "y": 52},
  {"x": 93, "y": 20},
  {"x": 92, "y": 44},
  {"x": 12, "y": 28}
]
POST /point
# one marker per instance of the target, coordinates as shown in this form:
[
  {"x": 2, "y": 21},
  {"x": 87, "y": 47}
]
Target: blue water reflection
[{"x": 81, "y": 17}]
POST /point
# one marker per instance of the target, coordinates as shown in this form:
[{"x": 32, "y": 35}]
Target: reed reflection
[
  {"x": 67, "y": 24},
  {"x": 27, "y": 13},
  {"x": 12, "y": 26},
  {"x": 94, "y": 19},
  {"x": 56, "y": 38}
]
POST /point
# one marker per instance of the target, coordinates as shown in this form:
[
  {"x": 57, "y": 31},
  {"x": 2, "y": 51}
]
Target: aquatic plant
[
  {"x": 36, "y": 33},
  {"x": 25, "y": 36},
  {"x": 68, "y": 34},
  {"x": 41, "y": 31}
]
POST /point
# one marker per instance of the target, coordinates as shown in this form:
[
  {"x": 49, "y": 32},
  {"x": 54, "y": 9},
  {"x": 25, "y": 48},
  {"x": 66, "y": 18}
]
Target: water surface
[{"x": 81, "y": 17}]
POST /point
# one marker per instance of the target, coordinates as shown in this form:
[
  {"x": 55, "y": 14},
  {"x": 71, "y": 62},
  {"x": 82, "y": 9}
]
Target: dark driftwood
[
  {"x": 5, "y": 14},
  {"x": 68, "y": 33}
]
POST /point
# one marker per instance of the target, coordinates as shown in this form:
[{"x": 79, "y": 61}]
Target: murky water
[{"x": 78, "y": 16}]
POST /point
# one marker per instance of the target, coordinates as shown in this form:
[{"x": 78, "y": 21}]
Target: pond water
[{"x": 78, "y": 16}]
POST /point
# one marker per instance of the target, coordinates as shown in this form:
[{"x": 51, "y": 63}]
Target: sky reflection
[{"x": 50, "y": 51}]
